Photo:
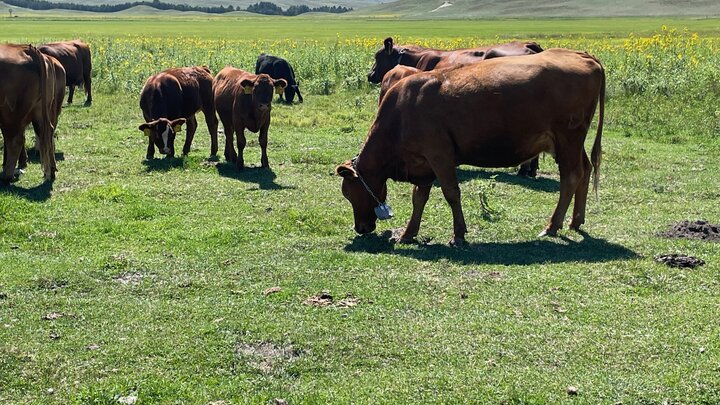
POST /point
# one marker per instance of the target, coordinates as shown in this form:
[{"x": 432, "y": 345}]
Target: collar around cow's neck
[{"x": 367, "y": 188}]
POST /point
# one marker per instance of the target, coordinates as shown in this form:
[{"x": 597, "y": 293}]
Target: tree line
[{"x": 263, "y": 7}]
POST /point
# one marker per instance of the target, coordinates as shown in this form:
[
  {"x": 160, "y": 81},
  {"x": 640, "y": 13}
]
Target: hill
[
  {"x": 540, "y": 8},
  {"x": 356, "y": 4}
]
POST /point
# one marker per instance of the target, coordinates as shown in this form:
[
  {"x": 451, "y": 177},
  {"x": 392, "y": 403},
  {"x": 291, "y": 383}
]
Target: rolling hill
[
  {"x": 541, "y": 8},
  {"x": 467, "y": 9}
]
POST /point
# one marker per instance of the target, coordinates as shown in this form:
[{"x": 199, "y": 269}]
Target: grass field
[{"x": 128, "y": 277}]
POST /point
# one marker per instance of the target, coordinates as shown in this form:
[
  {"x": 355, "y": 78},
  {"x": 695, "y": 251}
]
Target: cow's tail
[
  {"x": 596, "y": 154},
  {"x": 46, "y": 146}
]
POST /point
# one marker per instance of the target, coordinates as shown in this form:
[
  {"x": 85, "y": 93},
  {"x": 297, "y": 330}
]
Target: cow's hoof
[
  {"x": 403, "y": 240},
  {"x": 88, "y": 103},
  {"x": 457, "y": 242},
  {"x": 548, "y": 232},
  {"x": 575, "y": 226}
]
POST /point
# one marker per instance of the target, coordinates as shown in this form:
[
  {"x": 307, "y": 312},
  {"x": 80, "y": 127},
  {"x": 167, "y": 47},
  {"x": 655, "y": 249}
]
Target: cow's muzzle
[{"x": 364, "y": 228}]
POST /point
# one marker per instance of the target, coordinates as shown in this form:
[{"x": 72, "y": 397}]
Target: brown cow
[
  {"x": 26, "y": 95},
  {"x": 393, "y": 76},
  {"x": 428, "y": 59},
  {"x": 58, "y": 98},
  {"x": 491, "y": 114},
  {"x": 75, "y": 58},
  {"x": 171, "y": 98},
  {"x": 243, "y": 101},
  {"x": 425, "y": 59}
]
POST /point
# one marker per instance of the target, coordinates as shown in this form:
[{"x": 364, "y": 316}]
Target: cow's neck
[{"x": 379, "y": 161}]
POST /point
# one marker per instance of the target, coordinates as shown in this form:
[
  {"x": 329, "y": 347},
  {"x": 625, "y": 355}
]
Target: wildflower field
[{"x": 185, "y": 281}]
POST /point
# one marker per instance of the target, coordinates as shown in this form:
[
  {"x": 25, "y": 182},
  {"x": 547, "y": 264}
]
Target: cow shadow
[
  {"x": 543, "y": 184},
  {"x": 262, "y": 176},
  {"x": 163, "y": 165},
  {"x": 41, "y": 192},
  {"x": 544, "y": 250},
  {"x": 34, "y": 155}
]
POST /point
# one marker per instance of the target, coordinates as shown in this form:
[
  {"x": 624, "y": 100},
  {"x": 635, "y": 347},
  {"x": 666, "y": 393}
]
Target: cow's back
[
  {"x": 161, "y": 97},
  {"x": 494, "y": 111},
  {"x": 19, "y": 89}
]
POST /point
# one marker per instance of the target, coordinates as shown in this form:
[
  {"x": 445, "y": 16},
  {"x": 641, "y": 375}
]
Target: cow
[
  {"x": 26, "y": 96},
  {"x": 170, "y": 99},
  {"x": 243, "y": 101},
  {"x": 75, "y": 58},
  {"x": 279, "y": 68},
  {"x": 425, "y": 59},
  {"x": 58, "y": 98},
  {"x": 393, "y": 76},
  {"x": 492, "y": 114}
]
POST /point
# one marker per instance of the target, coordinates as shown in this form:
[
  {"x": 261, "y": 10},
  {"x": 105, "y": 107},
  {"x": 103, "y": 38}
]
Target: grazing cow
[
  {"x": 75, "y": 58},
  {"x": 491, "y": 114},
  {"x": 279, "y": 68},
  {"x": 58, "y": 98},
  {"x": 243, "y": 101},
  {"x": 26, "y": 96},
  {"x": 170, "y": 99},
  {"x": 425, "y": 59},
  {"x": 393, "y": 76}
]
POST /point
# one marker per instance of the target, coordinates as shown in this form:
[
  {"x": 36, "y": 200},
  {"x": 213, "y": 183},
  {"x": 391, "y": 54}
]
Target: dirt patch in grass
[
  {"x": 693, "y": 230},
  {"x": 267, "y": 357},
  {"x": 131, "y": 278},
  {"x": 679, "y": 260}
]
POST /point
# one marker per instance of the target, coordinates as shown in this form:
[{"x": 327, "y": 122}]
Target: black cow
[{"x": 279, "y": 68}]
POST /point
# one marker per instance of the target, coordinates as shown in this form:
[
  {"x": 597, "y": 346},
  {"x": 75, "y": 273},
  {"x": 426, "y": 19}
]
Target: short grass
[{"x": 128, "y": 277}]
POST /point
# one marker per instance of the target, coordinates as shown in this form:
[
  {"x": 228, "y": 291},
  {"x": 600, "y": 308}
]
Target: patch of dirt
[
  {"x": 271, "y": 290},
  {"x": 323, "y": 299},
  {"x": 129, "y": 278},
  {"x": 348, "y": 302},
  {"x": 267, "y": 357},
  {"x": 53, "y": 316},
  {"x": 693, "y": 230},
  {"x": 679, "y": 260}
]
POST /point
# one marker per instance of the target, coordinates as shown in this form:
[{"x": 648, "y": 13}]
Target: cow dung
[
  {"x": 693, "y": 230},
  {"x": 679, "y": 260}
]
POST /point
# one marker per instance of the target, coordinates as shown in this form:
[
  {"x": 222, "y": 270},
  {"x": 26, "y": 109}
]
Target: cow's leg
[
  {"x": 419, "y": 199},
  {"x": 150, "y": 149},
  {"x": 263, "y": 141},
  {"x": 241, "y": 142},
  {"x": 581, "y": 193},
  {"x": 530, "y": 168},
  {"x": 212, "y": 126},
  {"x": 569, "y": 158},
  {"x": 229, "y": 152},
  {"x": 14, "y": 139},
  {"x": 189, "y": 133},
  {"x": 87, "y": 83},
  {"x": 71, "y": 93},
  {"x": 447, "y": 177}
]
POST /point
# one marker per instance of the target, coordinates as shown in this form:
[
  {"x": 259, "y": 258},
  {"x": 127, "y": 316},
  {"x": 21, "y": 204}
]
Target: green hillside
[{"x": 541, "y": 8}]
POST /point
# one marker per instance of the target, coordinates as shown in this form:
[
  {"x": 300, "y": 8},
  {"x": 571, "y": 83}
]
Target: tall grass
[{"x": 663, "y": 86}]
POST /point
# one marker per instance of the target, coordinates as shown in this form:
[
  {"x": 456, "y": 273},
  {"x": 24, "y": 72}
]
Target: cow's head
[
  {"x": 290, "y": 91},
  {"x": 362, "y": 202},
  {"x": 162, "y": 132},
  {"x": 262, "y": 89},
  {"x": 385, "y": 59}
]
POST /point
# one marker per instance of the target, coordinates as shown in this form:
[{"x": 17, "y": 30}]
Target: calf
[
  {"x": 74, "y": 56},
  {"x": 243, "y": 101},
  {"x": 27, "y": 92},
  {"x": 279, "y": 68},
  {"x": 170, "y": 99},
  {"x": 491, "y": 114}
]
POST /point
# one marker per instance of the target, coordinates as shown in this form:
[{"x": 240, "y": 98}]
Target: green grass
[{"x": 158, "y": 270}]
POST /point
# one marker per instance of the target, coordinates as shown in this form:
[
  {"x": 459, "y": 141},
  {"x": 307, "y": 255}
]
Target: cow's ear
[
  {"x": 247, "y": 86},
  {"x": 346, "y": 170},
  {"x": 177, "y": 124},
  {"x": 147, "y": 128},
  {"x": 388, "y": 45},
  {"x": 280, "y": 85}
]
